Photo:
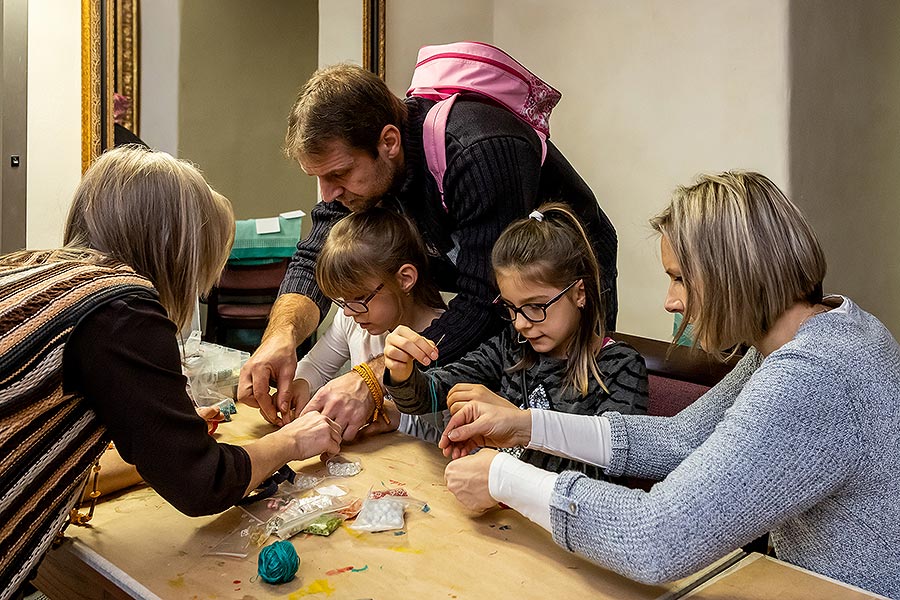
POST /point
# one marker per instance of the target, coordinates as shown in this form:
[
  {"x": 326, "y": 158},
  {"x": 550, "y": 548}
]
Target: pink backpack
[{"x": 445, "y": 72}]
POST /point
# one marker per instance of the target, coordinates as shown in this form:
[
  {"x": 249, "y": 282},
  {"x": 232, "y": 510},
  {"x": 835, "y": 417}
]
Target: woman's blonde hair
[
  {"x": 374, "y": 243},
  {"x": 556, "y": 251},
  {"x": 746, "y": 255},
  {"x": 156, "y": 214}
]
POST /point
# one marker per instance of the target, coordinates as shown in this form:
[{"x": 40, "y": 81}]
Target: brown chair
[
  {"x": 677, "y": 375},
  {"x": 240, "y": 303}
]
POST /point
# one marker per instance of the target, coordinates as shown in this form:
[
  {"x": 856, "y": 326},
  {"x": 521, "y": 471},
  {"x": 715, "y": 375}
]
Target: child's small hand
[
  {"x": 402, "y": 348},
  {"x": 467, "y": 392}
]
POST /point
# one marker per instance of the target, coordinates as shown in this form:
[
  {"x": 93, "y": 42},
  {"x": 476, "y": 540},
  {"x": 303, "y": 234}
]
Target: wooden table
[
  {"x": 138, "y": 546},
  {"x": 759, "y": 577}
]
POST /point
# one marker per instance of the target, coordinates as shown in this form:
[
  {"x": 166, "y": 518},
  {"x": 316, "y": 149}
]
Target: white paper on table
[
  {"x": 294, "y": 214},
  {"x": 268, "y": 225}
]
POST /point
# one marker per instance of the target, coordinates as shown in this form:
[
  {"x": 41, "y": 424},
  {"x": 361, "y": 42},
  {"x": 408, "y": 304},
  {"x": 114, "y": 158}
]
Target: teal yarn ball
[{"x": 278, "y": 562}]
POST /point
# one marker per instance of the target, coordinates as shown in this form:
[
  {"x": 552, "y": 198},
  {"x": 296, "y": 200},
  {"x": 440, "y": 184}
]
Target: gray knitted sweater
[{"x": 804, "y": 444}]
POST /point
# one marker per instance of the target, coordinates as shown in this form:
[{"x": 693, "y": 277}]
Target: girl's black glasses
[
  {"x": 535, "y": 313},
  {"x": 358, "y": 307}
]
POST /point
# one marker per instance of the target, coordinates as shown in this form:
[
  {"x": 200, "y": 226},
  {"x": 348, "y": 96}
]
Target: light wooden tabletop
[
  {"x": 759, "y": 577},
  {"x": 146, "y": 547}
]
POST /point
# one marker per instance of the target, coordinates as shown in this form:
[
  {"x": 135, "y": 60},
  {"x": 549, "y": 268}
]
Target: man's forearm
[{"x": 292, "y": 314}]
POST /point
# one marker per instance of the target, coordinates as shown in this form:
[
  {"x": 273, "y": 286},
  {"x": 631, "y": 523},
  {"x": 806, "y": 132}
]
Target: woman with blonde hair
[
  {"x": 88, "y": 354},
  {"x": 799, "y": 440}
]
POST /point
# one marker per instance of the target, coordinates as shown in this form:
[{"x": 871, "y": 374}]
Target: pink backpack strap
[
  {"x": 433, "y": 135},
  {"x": 434, "y": 131},
  {"x": 474, "y": 68}
]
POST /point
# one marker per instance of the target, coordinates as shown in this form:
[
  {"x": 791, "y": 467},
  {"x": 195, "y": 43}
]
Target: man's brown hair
[{"x": 341, "y": 102}]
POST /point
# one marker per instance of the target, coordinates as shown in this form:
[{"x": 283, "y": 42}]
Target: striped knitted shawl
[{"x": 48, "y": 439}]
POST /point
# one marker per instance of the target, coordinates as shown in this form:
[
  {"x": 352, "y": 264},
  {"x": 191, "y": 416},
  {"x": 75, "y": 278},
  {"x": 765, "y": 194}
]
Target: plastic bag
[
  {"x": 341, "y": 466},
  {"x": 237, "y": 543},
  {"x": 265, "y": 508},
  {"x": 300, "y": 512},
  {"x": 383, "y": 510},
  {"x": 325, "y": 524},
  {"x": 212, "y": 371}
]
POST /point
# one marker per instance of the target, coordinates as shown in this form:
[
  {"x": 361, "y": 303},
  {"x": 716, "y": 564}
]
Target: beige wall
[
  {"x": 340, "y": 32},
  {"x": 653, "y": 94},
  {"x": 410, "y": 24},
  {"x": 54, "y": 117},
  {"x": 240, "y": 66},
  {"x": 160, "y": 40},
  {"x": 845, "y": 143}
]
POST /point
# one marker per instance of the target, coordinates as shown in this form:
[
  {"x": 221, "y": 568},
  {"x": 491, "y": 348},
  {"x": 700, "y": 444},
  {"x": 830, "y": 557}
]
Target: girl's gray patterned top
[{"x": 804, "y": 444}]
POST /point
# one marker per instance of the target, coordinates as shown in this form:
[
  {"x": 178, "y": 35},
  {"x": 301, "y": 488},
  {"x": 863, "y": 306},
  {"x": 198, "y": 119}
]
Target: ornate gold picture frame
[
  {"x": 373, "y": 36},
  {"x": 109, "y": 65}
]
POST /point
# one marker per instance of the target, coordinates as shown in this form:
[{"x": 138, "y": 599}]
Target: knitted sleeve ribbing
[{"x": 301, "y": 274}]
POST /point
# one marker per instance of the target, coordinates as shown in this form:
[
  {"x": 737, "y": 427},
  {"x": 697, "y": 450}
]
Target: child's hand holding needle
[{"x": 435, "y": 346}]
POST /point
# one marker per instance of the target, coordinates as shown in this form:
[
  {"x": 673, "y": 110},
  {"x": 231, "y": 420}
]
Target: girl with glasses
[
  {"x": 555, "y": 356},
  {"x": 374, "y": 267}
]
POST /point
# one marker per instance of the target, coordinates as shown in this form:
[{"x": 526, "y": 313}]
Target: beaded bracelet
[{"x": 368, "y": 376}]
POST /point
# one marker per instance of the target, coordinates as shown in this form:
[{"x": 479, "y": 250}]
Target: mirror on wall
[
  {"x": 212, "y": 81},
  {"x": 110, "y": 78}
]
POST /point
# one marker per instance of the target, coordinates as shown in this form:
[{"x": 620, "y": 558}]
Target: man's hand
[
  {"x": 346, "y": 400},
  {"x": 478, "y": 424},
  {"x": 274, "y": 360},
  {"x": 382, "y": 426},
  {"x": 468, "y": 479},
  {"x": 402, "y": 348},
  {"x": 470, "y": 392}
]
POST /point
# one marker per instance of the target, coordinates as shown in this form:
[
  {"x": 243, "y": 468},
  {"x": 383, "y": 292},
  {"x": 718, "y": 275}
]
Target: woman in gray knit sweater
[{"x": 800, "y": 440}]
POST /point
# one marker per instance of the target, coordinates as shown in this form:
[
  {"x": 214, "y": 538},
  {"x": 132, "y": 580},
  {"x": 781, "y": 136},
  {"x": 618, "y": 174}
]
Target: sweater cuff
[
  {"x": 618, "y": 439},
  {"x": 523, "y": 487}
]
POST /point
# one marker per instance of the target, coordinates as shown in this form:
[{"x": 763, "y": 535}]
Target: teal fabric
[
  {"x": 253, "y": 248},
  {"x": 686, "y": 338}
]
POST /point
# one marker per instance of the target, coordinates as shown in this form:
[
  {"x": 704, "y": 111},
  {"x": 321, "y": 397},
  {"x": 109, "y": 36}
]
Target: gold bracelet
[{"x": 368, "y": 376}]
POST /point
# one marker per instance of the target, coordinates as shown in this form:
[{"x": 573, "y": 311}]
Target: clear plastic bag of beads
[
  {"x": 300, "y": 512},
  {"x": 343, "y": 466},
  {"x": 383, "y": 510}
]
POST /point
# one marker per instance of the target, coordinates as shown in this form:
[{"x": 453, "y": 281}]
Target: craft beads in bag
[
  {"x": 340, "y": 466},
  {"x": 380, "y": 515}
]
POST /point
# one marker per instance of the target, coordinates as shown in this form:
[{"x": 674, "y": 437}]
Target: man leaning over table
[{"x": 365, "y": 147}]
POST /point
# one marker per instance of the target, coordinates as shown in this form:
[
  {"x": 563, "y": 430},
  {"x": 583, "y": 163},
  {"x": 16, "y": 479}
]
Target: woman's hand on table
[
  {"x": 470, "y": 392},
  {"x": 313, "y": 434},
  {"x": 467, "y": 478},
  {"x": 212, "y": 415},
  {"x": 478, "y": 424}
]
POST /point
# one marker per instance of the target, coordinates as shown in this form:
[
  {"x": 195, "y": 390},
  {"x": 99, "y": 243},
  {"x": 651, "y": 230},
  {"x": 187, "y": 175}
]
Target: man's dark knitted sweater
[{"x": 494, "y": 176}]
